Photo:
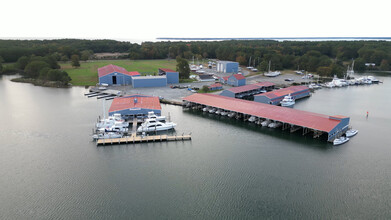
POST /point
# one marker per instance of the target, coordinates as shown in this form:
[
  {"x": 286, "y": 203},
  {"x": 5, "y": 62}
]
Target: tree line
[{"x": 324, "y": 57}]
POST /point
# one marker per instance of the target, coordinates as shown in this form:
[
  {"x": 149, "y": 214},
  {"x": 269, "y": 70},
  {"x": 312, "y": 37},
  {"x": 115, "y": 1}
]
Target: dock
[{"x": 142, "y": 139}]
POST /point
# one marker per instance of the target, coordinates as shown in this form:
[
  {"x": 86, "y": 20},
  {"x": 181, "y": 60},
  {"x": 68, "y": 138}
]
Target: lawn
[{"x": 87, "y": 73}]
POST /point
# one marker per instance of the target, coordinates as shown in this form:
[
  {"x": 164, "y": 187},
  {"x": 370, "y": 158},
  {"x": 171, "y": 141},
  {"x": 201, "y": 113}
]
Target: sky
[{"x": 146, "y": 20}]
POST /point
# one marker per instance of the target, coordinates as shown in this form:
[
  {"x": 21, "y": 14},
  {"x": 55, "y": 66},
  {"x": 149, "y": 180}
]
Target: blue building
[
  {"x": 115, "y": 75},
  {"x": 149, "y": 81},
  {"x": 227, "y": 67},
  {"x": 236, "y": 80},
  {"x": 135, "y": 106},
  {"x": 247, "y": 91},
  {"x": 172, "y": 76},
  {"x": 215, "y": 86}
]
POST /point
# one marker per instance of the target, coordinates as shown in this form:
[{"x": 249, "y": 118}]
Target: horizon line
[{"x": 271, "y": 38}]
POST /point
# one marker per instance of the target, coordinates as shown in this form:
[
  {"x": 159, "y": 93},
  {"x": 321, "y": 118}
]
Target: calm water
[{"x": 50, "y": 168}]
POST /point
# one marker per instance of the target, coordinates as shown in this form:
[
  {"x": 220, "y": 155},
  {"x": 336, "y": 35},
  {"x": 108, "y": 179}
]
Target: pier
[
  {"x": 142, "y": 139},
  {"x": 292, "y": 119}
]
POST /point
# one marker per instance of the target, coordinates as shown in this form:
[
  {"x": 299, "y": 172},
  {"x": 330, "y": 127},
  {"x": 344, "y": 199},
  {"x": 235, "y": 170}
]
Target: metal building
[
  {"x": 215, "y": 86},
  {"x": 236, "y": 80},
  {"x": 115, "y": 75},
  {"x": 248, "y": 90},
  {"x": 135, "y": 105},
  {"x": 172, "y": 76},
  {"x": 227, "y": 67},
  {"x": 275, "y": 97},
  {"x": 149, "y": 81}
]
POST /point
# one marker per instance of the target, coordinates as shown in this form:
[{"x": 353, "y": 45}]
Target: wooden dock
[{"x": 140, "y": 139}]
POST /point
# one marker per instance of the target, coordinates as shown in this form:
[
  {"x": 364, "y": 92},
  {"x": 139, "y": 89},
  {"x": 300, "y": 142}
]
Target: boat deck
[{"x": 140, "y": 139}]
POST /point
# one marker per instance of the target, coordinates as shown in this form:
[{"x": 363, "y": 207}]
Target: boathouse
[
  {"x": 215, "y": 86},
  {"x": 275, "y": 97},
  {"x": 248, "y": 90},
  {"x": 172, "y": 76},
  {"x": 135, "y": 105},
  {"x": 293, "y": 120},
  {"x": 149, "y": 81},
  {"x": 227, "y": 67},
  {"x": 115, "y": 75}
]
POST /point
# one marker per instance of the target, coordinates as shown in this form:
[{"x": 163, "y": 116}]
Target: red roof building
[{"x": 135, "y": 105}]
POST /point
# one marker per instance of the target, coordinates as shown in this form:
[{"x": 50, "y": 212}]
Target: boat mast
[
  {"x": 104, "y": 109},
  {"x": 249, "y": 62}
]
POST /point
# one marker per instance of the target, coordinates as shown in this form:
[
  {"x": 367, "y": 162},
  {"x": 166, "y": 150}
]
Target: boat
[
  {"x": 218, "y": 112},
  {"x": 272, "y": 73},
  {"x": 212, "y": 110},
  {"x": 341, "y": 140},
  {"x": 107, "y": 135},
  {"x": 231, "y": 114},
  {"x": 252, "y": 119},
  {"x": 111, "y": 121},
  {"x": 373, "y": 79},
  {"x": 265, "y": 123},
  {"x": 274, "y": 124},
  {"x": 206, "y": 109},
  {"x": 223, "y": 113},
  {"x": 287, "y": 101},
  {"x": 153, "y": 125},
  {"x": 350, "y": 71},
  {"x": 151, "y": 115},
  {"x": 299, "y": 72},
  {"x": 351, "y": 132},
  {"x": 113, "y": 128}
]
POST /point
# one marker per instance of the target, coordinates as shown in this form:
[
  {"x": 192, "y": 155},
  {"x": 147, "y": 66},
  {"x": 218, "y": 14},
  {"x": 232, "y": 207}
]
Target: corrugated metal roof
[
  {"x": 296, "y": 117},
  {"x": 167, "y": 70},
  {"x": 215, "y": 85},
  {"x": 264, "y": 84},
  {"x": 123, "y": 103},
  {"x": 239, "y": 76},
  {"x": 103, "y": 71},
  {"x": 244, "y": 88},
  {"x": 134, "y": 73},
  {"x": 284, "y": 91},
  {"x": 149, "y": 77}
]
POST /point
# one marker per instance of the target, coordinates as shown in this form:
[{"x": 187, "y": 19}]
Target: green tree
[
  {"x": 22, "y": 62},
  {"x": 324, "y": 71},
  {"x": 359, "y": 65},
  {"x": 384, "y": 65},
  {"x": 205, "y": 88},
  {"x": 1, "y": 64},
  {"x": 86, "y": 54},
  {"x": 64, "y": 58},
  {"x": 182, "y": 66},
  {"x": 33, "y": 68},
  {"x": 75, "y": 60},
  {"x": 43, "y": 73}
]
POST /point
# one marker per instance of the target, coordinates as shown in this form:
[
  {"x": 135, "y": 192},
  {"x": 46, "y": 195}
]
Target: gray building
[{"x": 227, "y": 67}]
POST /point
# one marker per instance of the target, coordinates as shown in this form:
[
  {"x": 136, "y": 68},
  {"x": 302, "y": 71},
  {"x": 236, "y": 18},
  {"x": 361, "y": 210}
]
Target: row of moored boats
[{"x": 345, "y": 138}]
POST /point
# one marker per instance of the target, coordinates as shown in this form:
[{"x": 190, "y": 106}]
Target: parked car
[{"x": 289, "y": 79}]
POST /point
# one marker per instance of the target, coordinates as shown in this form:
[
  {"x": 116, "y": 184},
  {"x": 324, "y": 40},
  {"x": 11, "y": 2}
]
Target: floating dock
[
  {"x": 140, "y": 139},
  {"x": 292, "y": 119}
]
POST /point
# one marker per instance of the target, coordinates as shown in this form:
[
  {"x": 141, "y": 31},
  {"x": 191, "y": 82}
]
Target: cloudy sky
[{"x": 144, "y": 20}]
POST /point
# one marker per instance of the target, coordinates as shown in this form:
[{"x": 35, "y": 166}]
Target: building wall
[
  {"x": 228, "y": 93},
  {"x": 172, "y": 77},
  {"x": 342, "y": 127},
  {"x": 231, "y": 67},
  {"x": 122, "y": 79},
  {"x": 235, "y": 82},
  {"x": 136, "y": 111},
  {"x": 140, "y": 82},
  {"x": 277, "y": 100}
]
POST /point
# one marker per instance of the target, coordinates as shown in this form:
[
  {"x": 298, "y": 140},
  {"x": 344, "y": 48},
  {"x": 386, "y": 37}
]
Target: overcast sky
[{"x": 144, "y": 20}]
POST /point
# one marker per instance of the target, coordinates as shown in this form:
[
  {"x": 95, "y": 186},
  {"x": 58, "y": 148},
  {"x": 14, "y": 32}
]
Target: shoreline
[{"x": 38, "y": 82}]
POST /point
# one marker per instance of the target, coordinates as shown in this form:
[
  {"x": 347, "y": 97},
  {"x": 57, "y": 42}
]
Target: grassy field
[{"x": 87, "y": 73}]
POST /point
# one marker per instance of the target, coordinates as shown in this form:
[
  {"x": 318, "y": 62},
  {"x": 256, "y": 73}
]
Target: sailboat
[
  {"x": 254, "y": 69},
  {"x": 272, "y": 73},
  {"x": 249, "y": 65},
  {"x": 350, "y": 71}
]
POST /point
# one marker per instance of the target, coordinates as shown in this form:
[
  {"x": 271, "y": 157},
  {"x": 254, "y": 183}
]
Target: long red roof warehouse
[
  {"x": 301, "y": 118},
  {"x": 121, "y": 103},
  {"x": 284, "y": 91}
]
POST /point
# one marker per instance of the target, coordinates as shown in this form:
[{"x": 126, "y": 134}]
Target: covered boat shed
[
  {"x": 292, "y": 119},
  {"x": 275, "y": 97},
  {"x": 149, "y": 81},
  {"x": 135, "y": 106},
  {"x": 248, "y": 90}
]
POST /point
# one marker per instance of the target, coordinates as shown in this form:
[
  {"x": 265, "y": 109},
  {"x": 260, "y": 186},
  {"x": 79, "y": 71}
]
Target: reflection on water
[{"x": 50, "y": 167}]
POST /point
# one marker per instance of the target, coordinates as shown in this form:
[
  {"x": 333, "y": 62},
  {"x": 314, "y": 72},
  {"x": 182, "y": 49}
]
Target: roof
[
  {"x": 239, "y": 76},
  {"x": 284, "y": 91},
  {"x": 134, "y": 73},
  {"x": 224, "y": 61},
  {"x": 103, "y": 71},
  {"x": 225, "y": 78},
  {"x": 167, "y": 70},
  {"x": 205, "y": 76},
  {"x": 296, "y": 117},
  {"x": 250, "y": 87},
  {"x": 123, "y": 103},
  {"x": 215, "y": 85}
]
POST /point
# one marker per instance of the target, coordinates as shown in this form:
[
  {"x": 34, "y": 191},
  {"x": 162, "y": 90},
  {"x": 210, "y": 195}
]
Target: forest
[{"x": 323, "y": 57}]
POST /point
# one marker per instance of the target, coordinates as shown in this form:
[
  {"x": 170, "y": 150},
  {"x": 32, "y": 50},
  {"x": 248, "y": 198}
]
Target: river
[{"x": 51, "y": 169}]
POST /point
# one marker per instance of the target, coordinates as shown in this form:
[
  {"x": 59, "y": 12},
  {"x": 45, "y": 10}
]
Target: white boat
[
  {"x": 341, "y": 140},
  {"x": 265, "y": 123},
  {"x": 351, "y": 132},
  {"x": 218, "y": 112},
  {"x": 213, "y": 110},
  {"x": 350, "y": 71},
  {"x": 113, "y": 128},
  {"x": 272, "y": 73},
  {"x": 329, "y": 85},
  {"x": 299, "y": 72},
  {"x": 231, "y": 114},
  {"x": 151, "y": 115},
  {"x": 107, "y": 135},
  {"x": 223, "y": 113},
  {"x": 274, "y": 124},
  {"x": 153, "y": 125},
  {"x": 111, "y": 121},
  {"x": 205, "y": 109},
  {"x": 254, "y": 69},
  {"x": 287, "y": 101},
  {"x": 373, "y": 79},
  {"x": 252, "y": 119}
]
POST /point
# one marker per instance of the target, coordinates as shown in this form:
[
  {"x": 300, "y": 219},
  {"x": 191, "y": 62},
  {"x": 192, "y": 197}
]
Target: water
[{"x": 50, "y": 168}]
